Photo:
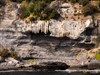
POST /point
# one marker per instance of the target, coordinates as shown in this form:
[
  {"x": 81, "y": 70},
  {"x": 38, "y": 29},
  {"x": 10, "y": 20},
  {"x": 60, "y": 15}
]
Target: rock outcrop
[
  {"x": 66, "y": 28},
  {"x": 66, "y": 41}
]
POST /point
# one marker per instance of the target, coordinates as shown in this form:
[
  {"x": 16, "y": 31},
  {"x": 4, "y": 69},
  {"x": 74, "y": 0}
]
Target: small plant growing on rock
[
  {"x": 5, "y": 53},
  {"x": 13, "y": 55},
  {"x": 24, "y": 12},
  {"x": 30, "y": 60},
  {"x": 39, "y": 9},
  {"x": 97, "y": 56},
  {"x": 31, "y": 7}
]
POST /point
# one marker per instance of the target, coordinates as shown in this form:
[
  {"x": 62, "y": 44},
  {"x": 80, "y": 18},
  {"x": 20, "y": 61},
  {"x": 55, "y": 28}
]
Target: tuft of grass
[
  {"x": 31, "y": 60},
  {"x": 97, "y": 56}
]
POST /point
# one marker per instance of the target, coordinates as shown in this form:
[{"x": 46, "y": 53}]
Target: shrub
[
  {"x": 13, "y": 54},
  {"x": 39, "y": 9},
  {"x": 51, "y": 13},
  {"x": 5, "y": 53},
  {"x": 31, "y": 7},
  {"x": 24, "y": 12},
  {"x": 24, "y": 3}
]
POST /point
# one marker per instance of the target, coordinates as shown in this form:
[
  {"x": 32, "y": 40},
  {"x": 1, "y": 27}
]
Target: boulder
[{"x": 12, "y": 60}]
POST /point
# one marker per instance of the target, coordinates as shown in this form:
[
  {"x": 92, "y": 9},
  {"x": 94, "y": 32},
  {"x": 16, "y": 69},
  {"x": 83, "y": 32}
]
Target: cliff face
[
  {"x": 66, "y": 41},
  {"x": 70, "y": 27}
]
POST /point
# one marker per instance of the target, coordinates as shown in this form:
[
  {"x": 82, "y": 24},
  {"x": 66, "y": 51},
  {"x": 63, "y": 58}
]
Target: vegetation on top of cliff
[
  {"x": 38, "y": 9},
  {"x": 90, "y": 7}
]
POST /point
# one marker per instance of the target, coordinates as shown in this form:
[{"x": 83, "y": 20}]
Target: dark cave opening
[
  {"x": 42, "y": 35},
  {"x": 89, "y": 31}
]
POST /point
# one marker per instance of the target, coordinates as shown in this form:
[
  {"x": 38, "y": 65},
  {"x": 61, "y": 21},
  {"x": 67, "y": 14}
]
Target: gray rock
[
  {"x": 62, "y": 42},
  {"x": 9, "y": 63},
  {"x": 94, "y": 64}
]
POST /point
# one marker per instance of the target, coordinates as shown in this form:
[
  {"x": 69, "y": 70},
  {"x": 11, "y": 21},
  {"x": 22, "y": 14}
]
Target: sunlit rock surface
[{"x": 68, "y": 28}]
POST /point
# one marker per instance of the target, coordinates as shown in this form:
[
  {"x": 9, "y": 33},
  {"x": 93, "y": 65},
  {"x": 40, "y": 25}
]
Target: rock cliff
[{"x": 67, "y": 40}]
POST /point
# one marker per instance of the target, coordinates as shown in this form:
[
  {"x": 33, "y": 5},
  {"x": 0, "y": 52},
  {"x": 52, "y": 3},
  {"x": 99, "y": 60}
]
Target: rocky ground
[{"x": 45, "y": 45}]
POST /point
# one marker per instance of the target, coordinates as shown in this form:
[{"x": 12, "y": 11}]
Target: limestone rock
[
  {"x": 68, "y": 28},
  {"x": 9, "y": 63},
  {"x": 49, "y": 41},
  {"x": 10, "y": 14},
  {"x": 66, "y": 9},
  {"x": 94, "y": 65}
]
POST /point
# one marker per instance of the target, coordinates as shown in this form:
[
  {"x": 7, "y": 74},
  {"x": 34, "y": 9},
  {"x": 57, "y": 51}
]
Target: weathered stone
[
  {"x": 68, "y": 28},
  {"x": 94, "y": 65},
  {"x": 10, "y": 63}
]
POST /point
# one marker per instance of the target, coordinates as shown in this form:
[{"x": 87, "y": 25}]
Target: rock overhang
[{"x": 65, "y": 28}]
